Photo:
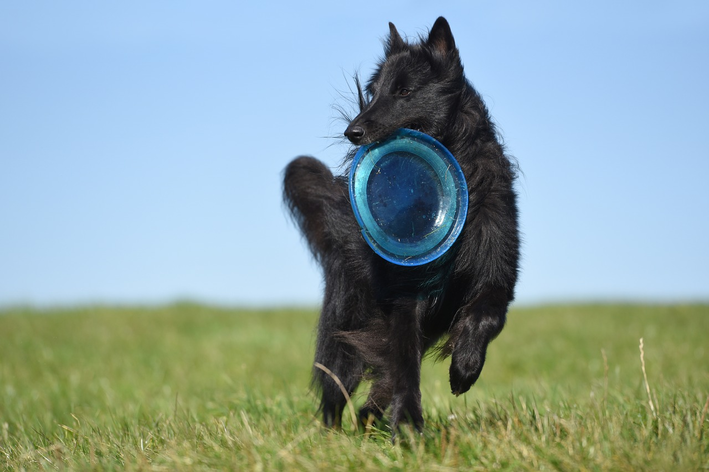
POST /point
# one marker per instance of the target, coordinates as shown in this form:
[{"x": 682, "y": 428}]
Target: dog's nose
[{"x": 354, "y": 133}]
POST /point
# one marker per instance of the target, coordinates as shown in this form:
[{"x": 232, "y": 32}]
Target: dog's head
[{"x": 415, "y": 86}]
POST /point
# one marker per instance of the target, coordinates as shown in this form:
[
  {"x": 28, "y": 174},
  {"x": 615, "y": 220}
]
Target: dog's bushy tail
[{"x": 309, "y": 193}]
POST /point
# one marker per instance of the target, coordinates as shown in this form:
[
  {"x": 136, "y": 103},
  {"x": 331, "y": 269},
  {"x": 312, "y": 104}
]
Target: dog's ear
[
  {"x": 440, "y": 39},
  {"x": 395, "y": 43}
]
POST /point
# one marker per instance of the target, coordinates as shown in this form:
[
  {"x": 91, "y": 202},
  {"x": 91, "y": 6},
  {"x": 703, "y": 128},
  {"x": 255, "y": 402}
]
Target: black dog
[{"x": 378, "y": 319}]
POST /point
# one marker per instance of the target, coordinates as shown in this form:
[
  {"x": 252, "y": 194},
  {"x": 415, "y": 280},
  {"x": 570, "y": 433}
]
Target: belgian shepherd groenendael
[{"x": 378, "y": 319}]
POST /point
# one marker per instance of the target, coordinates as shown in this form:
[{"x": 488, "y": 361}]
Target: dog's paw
[
  {"x": 464, "y": 372},
  {"x": 407, "y": 411},
  {"x": 368, "y": 416}
]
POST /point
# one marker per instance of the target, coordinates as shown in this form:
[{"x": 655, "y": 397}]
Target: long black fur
[{"x": 378, "y": 319}]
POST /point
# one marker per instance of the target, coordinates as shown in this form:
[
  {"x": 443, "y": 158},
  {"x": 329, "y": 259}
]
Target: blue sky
[{"x": 142, "y": 143}]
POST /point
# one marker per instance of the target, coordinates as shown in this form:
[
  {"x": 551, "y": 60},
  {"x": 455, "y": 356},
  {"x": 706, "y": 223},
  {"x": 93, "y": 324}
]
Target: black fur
[{"x": 379, "y": 319}]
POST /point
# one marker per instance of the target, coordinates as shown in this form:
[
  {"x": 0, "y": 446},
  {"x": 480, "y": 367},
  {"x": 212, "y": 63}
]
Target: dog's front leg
[
  {"x": 477, "y": 324},
  {"x": 406, "y": 342}
]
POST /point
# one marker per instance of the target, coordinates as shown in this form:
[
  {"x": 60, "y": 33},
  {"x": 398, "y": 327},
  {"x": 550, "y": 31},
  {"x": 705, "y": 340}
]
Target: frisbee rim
[{"x": 444, "y": 165}]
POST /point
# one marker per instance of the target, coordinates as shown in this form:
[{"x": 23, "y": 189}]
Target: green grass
[{"x": 192, "y": 387}]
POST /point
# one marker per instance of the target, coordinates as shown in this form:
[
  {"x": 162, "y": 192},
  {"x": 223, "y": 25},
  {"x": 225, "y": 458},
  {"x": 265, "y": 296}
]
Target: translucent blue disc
[{"x": 409, "y": 196}]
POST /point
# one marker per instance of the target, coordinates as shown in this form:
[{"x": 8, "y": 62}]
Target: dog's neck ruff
[{"x": 409, "y": 196}]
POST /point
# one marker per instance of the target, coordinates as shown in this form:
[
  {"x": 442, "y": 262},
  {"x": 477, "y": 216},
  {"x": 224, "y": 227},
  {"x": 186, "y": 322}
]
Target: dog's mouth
[{"x": 361, "y": 135}]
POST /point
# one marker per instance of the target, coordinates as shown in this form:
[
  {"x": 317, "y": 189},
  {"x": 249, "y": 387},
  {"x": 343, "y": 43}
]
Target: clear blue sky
[{"x": 142, "y": 143}]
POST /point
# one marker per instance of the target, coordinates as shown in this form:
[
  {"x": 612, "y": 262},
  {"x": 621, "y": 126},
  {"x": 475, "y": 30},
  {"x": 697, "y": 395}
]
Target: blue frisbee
[{"x": 409, "y": 196}]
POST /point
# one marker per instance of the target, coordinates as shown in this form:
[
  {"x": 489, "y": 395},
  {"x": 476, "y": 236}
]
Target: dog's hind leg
[
  {"x": 378, "y": 400},
  {"x": 372, "y": 343},
  {"x": 345, "y": 372},
  {"x": 343, "y": 311},
  {"x": 392, "y": 345},
  {"x": 478, "y": 323},
  {"x": 320, "y": 206}
]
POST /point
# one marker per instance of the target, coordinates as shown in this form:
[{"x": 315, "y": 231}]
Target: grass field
[{"x": 187, "y": 387}]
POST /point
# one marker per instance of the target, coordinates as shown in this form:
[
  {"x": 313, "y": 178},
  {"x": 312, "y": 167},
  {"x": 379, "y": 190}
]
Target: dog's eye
[{"x": 404, "y": 92}]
